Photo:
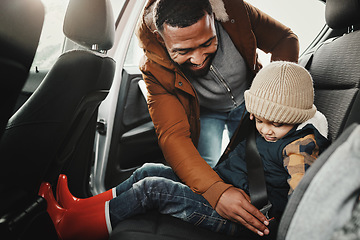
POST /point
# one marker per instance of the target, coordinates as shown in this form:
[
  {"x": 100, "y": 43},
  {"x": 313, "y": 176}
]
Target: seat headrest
[
  {"x": 342, "y": 13},
  {"x": 89, "y": 23}
]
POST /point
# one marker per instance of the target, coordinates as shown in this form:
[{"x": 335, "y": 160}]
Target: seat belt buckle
[{"x": 265, "y": 210}]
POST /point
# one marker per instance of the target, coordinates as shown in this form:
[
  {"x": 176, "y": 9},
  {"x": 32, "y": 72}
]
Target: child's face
[{"x": 271, "y": 131}]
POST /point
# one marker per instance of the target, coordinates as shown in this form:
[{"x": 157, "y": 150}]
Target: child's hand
[{"x": 234, "y": 204}]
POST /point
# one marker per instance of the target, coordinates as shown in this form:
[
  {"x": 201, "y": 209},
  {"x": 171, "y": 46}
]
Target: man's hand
[{"x": 234, "y": 204}]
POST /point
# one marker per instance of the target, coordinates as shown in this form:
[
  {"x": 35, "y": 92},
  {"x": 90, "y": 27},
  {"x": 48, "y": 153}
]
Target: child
[{"x": 291, "y": 134}]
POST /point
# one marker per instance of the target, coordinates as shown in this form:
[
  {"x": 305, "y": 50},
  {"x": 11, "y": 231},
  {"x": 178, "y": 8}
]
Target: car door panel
[{"x": 134, "y": 139}]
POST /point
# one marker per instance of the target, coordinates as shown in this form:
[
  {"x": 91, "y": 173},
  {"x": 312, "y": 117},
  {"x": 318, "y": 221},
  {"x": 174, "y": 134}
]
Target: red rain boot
[
  {"x": 67, "y": 200},
  {"x": 76, "y": 223}
]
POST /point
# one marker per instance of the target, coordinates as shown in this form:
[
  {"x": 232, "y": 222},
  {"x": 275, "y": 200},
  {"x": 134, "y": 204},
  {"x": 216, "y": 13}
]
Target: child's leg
[
  {"x": 147, "y": 170},
  {"x": 168, "y": 197},
  {"x": 67, "y": 200}
]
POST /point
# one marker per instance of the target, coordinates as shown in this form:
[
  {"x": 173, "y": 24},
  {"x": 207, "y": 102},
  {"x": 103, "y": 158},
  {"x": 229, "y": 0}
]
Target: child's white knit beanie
[{"x": 282, "y": 92}]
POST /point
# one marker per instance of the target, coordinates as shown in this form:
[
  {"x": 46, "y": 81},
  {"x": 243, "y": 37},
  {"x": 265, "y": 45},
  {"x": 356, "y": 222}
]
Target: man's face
[{"x": 192, "y": 47}]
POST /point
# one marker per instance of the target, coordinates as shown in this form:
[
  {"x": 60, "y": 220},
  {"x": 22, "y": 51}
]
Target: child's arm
[{"x": 298, "y": 156}]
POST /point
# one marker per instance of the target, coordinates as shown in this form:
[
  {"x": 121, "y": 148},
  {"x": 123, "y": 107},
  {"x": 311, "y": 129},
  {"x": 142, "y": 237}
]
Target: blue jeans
[
  {"x": 212, "y": 128},
  {"x": 155, "y": 186}
]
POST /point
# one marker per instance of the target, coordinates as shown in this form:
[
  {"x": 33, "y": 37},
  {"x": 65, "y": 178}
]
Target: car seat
[
  {"x": 40, "y": 138},
  {"x": 21, "y": 23},
  {"x": 335, "y": 67}
]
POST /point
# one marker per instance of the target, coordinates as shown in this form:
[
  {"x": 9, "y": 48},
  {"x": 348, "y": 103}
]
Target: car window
[
  {"x": 117, "y": 7},
  {"x": 304, "y": 17},
  {"x": 134, "y": 53},
  {"x": 52, "y": 36}
]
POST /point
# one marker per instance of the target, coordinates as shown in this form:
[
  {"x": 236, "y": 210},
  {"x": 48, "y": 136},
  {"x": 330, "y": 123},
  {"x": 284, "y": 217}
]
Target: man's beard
[{"x": 185, "y": 68}]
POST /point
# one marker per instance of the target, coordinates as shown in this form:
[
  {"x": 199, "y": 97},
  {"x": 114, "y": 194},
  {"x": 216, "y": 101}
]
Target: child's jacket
[{"x": 285, "y": 162}]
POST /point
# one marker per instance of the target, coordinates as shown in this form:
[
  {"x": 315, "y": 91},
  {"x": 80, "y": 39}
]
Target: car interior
[
  {"x": 43, "y": 134},
  {"x": 61, "y": 127}
]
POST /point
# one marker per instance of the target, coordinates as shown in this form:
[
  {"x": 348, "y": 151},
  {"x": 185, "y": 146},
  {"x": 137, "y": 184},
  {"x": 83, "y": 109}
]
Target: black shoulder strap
[
  {"x": 256, "y": 178},
  {"x": 255, "y": 169},
  {"x": 240, "y": 134}
]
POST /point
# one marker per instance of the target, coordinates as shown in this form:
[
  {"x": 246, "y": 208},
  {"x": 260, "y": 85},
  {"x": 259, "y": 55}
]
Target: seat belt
[
  {"x": 239, "y": 135},
  {"x": 256, "y": 178},
  {"x": 255, "y": 172}
]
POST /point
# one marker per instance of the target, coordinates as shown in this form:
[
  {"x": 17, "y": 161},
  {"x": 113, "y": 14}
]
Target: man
[{"x": 188, "y": 44}]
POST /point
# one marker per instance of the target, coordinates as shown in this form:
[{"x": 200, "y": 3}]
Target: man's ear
[
  {"x": 159, "y": 37},
  {"x": 251, "y": 116}
]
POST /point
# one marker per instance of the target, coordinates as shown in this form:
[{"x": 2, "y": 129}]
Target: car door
[
  {"x": 125, "y": 137},
  {"x": 134, "y": 141}
]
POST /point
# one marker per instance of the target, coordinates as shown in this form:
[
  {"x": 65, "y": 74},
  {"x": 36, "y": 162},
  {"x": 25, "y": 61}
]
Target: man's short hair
[{"x": 180, "y": 13}]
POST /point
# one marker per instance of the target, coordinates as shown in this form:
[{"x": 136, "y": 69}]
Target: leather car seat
[
  {"x": 21, "y": 23},
  {"x": 42, "y": 135}
]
